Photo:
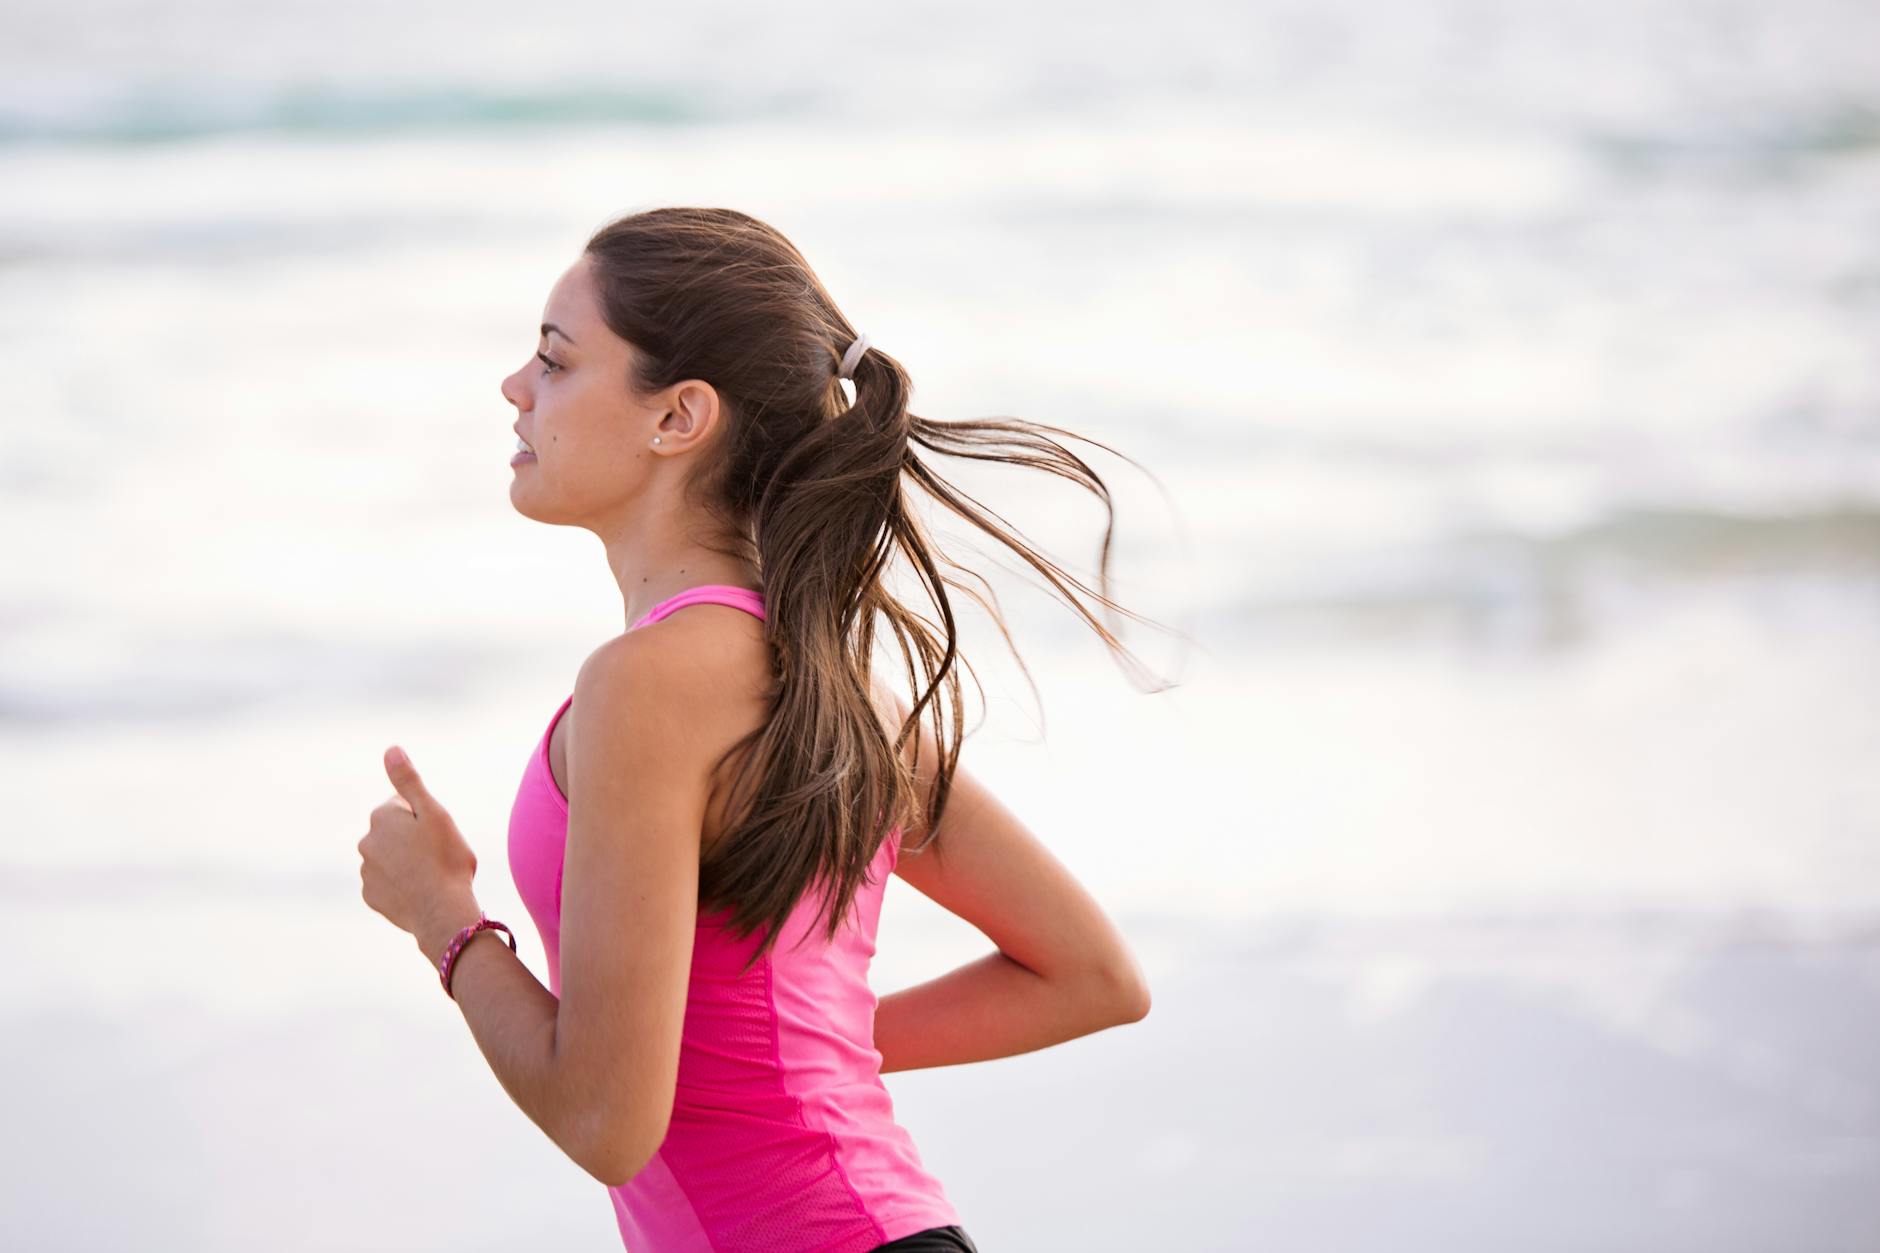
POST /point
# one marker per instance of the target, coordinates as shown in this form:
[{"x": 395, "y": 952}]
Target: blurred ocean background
[{"x": 1506, "y": 863}]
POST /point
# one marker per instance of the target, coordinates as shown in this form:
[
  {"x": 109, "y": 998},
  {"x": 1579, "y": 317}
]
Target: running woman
[{"x": 705, "y": 827}]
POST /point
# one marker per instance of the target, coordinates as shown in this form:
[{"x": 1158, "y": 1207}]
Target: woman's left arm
[{"x": 596, "y": 1069}]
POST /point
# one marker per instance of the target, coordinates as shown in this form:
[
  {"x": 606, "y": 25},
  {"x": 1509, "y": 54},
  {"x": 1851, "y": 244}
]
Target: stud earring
[{"x": 655, "y": 439}]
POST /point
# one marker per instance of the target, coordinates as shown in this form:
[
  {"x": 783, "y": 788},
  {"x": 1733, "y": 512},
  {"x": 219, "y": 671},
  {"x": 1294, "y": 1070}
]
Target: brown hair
[{"x": 809, "y": 489}]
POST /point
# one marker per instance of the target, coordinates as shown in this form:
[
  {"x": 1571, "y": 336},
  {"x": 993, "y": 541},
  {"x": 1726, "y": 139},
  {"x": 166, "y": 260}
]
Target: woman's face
[{"x": 591, "y": 439}]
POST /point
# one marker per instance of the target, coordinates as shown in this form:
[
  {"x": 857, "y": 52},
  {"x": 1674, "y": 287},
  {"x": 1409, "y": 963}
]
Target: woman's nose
[{"x": 512, "y": 389}]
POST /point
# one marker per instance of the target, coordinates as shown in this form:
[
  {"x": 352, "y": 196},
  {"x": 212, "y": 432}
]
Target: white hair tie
[{"x": 853, "y": 355}]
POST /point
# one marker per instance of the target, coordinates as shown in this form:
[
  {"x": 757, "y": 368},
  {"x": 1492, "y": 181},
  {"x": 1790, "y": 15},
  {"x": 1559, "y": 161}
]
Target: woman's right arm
[{"x": 1060, "y": 968}]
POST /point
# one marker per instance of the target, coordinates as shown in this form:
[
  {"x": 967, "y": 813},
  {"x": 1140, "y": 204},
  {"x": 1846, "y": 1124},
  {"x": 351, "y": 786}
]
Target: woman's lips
[{"x": 521, "y": 457}]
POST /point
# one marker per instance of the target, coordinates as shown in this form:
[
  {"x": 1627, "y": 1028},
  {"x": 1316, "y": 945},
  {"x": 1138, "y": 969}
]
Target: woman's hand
[{"x": 416, "y": 867}]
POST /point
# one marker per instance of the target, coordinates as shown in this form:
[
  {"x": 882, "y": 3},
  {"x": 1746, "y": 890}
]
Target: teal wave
[{"x": 165, "y": 117}]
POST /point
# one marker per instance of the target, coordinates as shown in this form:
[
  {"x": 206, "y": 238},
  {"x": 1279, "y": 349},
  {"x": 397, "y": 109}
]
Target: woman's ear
[{"x": 695, "y": 411}]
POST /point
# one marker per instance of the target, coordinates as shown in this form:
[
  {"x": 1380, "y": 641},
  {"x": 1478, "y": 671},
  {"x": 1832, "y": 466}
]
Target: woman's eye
[{"x": 545, "y": 361}]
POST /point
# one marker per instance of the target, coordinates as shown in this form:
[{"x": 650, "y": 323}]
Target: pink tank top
[{"x": 782, "y": 1137}]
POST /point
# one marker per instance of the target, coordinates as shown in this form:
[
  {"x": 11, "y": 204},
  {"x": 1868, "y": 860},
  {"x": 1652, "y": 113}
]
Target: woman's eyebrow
[{"x": 550, "y": 326}]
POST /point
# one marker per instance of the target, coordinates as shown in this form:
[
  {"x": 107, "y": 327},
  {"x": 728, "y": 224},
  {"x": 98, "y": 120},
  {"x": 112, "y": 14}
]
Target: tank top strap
[{"x": 705, "y": 594}]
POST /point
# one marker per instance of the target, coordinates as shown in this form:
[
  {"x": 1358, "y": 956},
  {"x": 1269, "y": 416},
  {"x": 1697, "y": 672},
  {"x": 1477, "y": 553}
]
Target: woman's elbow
[
  {"x": 1137, "y": 1002},
  {"x": 1126, "y": 990},
  {"x": 613, "y": 1157},
  {"x": 615, "y": 1168}
]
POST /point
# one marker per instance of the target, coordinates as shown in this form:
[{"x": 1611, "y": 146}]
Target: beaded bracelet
[{"x": 449, "y": 962}]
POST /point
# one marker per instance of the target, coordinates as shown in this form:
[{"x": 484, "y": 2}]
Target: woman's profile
[{"x": 705, "y": 826}]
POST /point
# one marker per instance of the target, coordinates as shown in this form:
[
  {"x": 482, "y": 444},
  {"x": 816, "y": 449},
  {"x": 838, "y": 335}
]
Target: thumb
[{"x": 404, "y": 777}]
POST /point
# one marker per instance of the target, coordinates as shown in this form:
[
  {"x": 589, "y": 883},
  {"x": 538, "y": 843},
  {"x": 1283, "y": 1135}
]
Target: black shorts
[{"x": 951, "y": 1239}]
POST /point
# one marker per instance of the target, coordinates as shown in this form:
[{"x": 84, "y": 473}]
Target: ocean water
[{"x": 1506, "y": 859}]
